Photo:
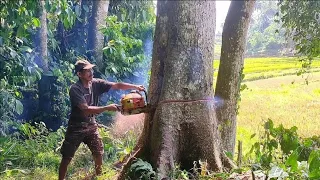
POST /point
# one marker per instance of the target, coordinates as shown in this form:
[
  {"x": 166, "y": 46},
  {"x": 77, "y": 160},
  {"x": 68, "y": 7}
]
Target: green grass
[{"x": 35, "y": 162}]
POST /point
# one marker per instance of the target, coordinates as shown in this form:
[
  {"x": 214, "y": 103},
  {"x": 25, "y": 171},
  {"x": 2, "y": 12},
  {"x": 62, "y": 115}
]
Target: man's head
[{"x": 83, "y": 69}]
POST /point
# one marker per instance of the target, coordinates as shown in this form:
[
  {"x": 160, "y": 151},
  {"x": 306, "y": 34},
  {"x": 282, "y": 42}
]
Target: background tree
[
  {"x": 302, "y": 22},
  {"x": 41, "y": 39},
  {"x": 229, "y": 78},
  {"x": 95, "y": 37},
  {"x": 265, "y": 36}
]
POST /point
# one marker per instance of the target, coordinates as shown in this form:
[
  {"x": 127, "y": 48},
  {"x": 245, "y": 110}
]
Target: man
[{"x": 82, "y": 127}]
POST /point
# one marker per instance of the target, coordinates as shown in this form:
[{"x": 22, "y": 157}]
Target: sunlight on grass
[
  {"x": 285, "y": 103},
  {"x": 263, "y": 68}
]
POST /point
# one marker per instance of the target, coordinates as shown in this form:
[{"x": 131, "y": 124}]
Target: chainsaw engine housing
[{"x": 133, "y": 103}]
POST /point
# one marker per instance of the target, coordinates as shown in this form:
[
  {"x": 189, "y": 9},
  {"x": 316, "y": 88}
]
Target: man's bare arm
[
  {"x": 125, "y": 86},
  {"x": 89, "y": 110}
]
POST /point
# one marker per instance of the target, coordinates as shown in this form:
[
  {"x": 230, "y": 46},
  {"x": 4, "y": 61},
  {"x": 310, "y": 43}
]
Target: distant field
[
  {"x": 286, "y": 100},
  {"x": 274, "y": 93},
  {"x": 262, "y": 68}
]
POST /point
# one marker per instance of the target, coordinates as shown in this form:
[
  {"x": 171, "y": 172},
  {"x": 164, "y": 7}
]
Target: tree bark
[
  {"x": 41, "y": 40},
  {"x": 95, "y": 37},
  {"x": 182, "y": 128},
  {"x": 230, "y": 70}
]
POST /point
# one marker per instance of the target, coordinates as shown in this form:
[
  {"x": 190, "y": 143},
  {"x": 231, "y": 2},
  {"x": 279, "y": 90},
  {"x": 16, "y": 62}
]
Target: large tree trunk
[
  {"x": 95, "y": 37},
  {"x": 230, "y": 70},
  {"x": 41, "y": 39},
  {"x": 183, "y": 127}
]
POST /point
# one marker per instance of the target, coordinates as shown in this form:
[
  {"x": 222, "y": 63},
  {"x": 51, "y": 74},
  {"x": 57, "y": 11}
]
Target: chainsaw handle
[
  {"x": 145, "y": 94},
  {"x": 119, "y": 107}
]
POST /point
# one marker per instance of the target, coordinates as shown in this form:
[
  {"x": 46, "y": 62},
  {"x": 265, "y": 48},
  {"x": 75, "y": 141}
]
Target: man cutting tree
[{"x": 82, "y": 126}]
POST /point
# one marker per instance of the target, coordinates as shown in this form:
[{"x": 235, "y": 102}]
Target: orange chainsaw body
[{"x": 133, "y": 103}]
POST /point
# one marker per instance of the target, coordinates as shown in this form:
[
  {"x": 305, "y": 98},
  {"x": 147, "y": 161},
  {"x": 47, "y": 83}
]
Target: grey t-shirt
[{"x": 79, "y": 95}]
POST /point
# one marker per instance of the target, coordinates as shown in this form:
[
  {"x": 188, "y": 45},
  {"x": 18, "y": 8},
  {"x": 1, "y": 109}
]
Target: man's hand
[
  {"x": 112, "y": 107},
  {"x": 140, "y": 88}
]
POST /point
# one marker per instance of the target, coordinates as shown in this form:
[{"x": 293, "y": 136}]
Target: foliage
[
  {"x": 9, "y": 107},
  {"x": 122, "y": 51},
  {"x": 265, "y": 37},
  {"x": 17, "y": 66},
  {"x": 141, "y": 170},
  {"x": 66, "y": 12},
  {"x": 135, "y": 12},
  {"x": 33, "y": 146},
  {"x": 34, "y": 149},
  {"x": 129, "y": 24},
  {"x": 17, "y": 56},
  {"x": 116, "y": 148},
  {"x": 64, "y": 73},
  {"x": 282, "y": 150},
  {"x": 302, "y": 22},
  {"x": 63, "y": 10}
]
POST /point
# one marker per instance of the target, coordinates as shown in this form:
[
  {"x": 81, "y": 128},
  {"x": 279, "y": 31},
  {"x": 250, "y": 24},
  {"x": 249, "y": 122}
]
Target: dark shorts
[{"x": 75, "y": 135}]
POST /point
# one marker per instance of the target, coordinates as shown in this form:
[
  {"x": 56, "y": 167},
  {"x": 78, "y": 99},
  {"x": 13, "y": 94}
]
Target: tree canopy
[{"x": 302, "y": 22}]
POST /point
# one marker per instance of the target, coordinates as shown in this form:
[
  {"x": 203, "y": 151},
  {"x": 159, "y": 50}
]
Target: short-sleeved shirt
[{"x": 79, "y": 95}]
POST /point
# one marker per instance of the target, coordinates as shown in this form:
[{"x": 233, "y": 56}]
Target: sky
[{"x": 222, "y": 7}]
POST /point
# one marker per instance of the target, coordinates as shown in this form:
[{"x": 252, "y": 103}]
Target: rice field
[
  {"x": 275, "y": 94},
  {"x": 263, "y": 68}
]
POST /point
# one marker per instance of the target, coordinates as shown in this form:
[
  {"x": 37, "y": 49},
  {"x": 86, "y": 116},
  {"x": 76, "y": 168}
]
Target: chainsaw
[{"x": 134, "y": 103}]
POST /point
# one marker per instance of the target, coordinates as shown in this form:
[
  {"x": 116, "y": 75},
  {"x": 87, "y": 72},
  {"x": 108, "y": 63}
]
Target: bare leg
[
  {"x": 98, "y": 164},
  {"x": 63, "y": 167}
]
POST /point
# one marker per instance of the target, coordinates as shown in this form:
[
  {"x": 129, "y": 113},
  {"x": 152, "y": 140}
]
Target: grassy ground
[
  {"x": 276, "y": 92},
  {"x": 287, "y": 100}
]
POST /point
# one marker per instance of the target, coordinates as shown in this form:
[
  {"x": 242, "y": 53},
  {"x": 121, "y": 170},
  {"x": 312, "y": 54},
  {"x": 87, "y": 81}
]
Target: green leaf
[
  {"x": 13, "y": 53},
  {"x": 229, "y": 154},
  {"x": 292, "y": 161},
  {"x": 78, "y": 10},
  {"x": 58, "y": 11},
  {"x": 314, "y": 164},
  {"x": 36, "y": 22},
  {"x": 268, "y": 125},
  {"x": 26, "y": 49},
  {"x": 273, "y": 144},
  {"x": 17, "y": 93},
  {"x": 66, "y": 23},
  {"x": 19, "y": 107},
  {"x": 253, "y": 135},
  {"x": 86, "y": 8},
  {"x": 307, "y": 142},
  {"x": 114, "y": 69}
]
